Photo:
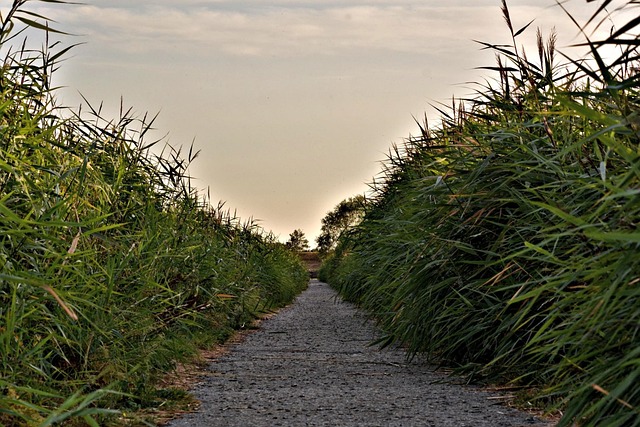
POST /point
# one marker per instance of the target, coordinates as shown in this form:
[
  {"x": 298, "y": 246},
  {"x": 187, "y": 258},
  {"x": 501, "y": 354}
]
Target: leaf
[
  {"x": 63, "y": 52},
  {"x": 521, "y": 30},
  {"x": 603, "y": 6},
  {"x": 226, "y": 296},
  {"x": 39, "y": 26},
  {"x": 614, "y": 236},
  {"x": 587, "y": 112},
  {"x": 560, "y": 213},
  {"x": 59, "y": 1},
  {"x": 499, "y": 48},
  {"x": 60, "y": 302},
  {"x": 628, "y": 26},
  {"x": 540, "y": 250},
  {"x": 500, "y": 69},
  {"x": 74, "y": 243},
  {"x": 37, "y": 15}
]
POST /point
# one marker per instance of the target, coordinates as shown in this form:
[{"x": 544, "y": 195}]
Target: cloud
[
  {"x": 282, "y": 29},
  {"x": 298, "y": 28}
]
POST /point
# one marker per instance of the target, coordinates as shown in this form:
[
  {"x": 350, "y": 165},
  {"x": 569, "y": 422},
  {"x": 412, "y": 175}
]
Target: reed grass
[
  {"x": 113, "y": 268},
  {"x": 505, "y": 243}
]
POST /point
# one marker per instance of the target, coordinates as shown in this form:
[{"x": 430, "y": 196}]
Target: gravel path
[{"x": 311, "y": 365}]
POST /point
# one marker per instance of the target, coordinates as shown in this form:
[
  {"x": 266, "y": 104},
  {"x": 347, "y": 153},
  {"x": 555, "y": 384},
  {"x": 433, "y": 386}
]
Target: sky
[{"x": 293, "y": 104}]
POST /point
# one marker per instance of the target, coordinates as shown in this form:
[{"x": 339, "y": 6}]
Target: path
[{"x": 311, "y": 365}]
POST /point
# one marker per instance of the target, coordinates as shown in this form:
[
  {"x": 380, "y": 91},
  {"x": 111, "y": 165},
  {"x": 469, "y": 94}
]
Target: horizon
[{"x": 292, "y": 104}]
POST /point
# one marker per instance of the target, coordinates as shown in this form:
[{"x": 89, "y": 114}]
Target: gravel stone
[{"x": 313, "y": 365}]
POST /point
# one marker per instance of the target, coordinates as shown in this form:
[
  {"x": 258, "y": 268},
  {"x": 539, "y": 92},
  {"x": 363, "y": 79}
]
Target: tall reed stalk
[
  {"x": 112, "y": 266},
  {"x": 505, "y": 242}
]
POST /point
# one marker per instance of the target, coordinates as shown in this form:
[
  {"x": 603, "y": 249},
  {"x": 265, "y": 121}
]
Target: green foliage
[
  {"x": 341, "y": 219},
  {"x": 112, "y": 267},
  {"x": 297, "y": 241},
  {"x": 505, "y": 242}
]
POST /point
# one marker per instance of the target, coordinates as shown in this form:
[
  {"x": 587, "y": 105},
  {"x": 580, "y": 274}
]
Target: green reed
[
  {"x": 113, "y": 268},
  {"x": 504, "y": 242}
]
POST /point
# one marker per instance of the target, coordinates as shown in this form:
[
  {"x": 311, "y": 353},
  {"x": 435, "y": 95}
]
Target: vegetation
[
  {"x": 505, "y": 243},
  {"x": 297, "y": 241},
  {"x": 112, "y": 267},
  {"x": 341, "y": 219}
]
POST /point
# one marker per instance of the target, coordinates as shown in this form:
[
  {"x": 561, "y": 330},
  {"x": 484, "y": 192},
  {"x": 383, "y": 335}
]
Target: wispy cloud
[
  {"x": 284, "y": 28},
  {"x": 293, "y": 28}
]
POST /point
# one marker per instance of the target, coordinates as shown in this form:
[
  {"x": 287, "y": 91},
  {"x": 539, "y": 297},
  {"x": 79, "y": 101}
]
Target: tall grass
[
  {"x": 505, "y": 242},
  {"x": 112, "y": 267}
]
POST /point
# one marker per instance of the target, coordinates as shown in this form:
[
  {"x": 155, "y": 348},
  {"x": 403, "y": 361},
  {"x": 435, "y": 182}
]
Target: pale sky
[{"x": 293, "y": 103}]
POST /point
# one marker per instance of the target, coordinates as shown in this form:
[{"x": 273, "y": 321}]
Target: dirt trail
[{"x": 311, "y": 365}]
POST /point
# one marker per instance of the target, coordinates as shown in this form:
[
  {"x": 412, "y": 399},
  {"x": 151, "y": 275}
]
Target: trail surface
[{"x": 311, "y": 365}]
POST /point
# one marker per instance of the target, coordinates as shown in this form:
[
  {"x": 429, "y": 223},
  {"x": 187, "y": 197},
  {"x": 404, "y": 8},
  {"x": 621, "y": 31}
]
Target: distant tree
[
  {"x": 347, "y": 214},
  {"x": 298, "y": 241}
]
